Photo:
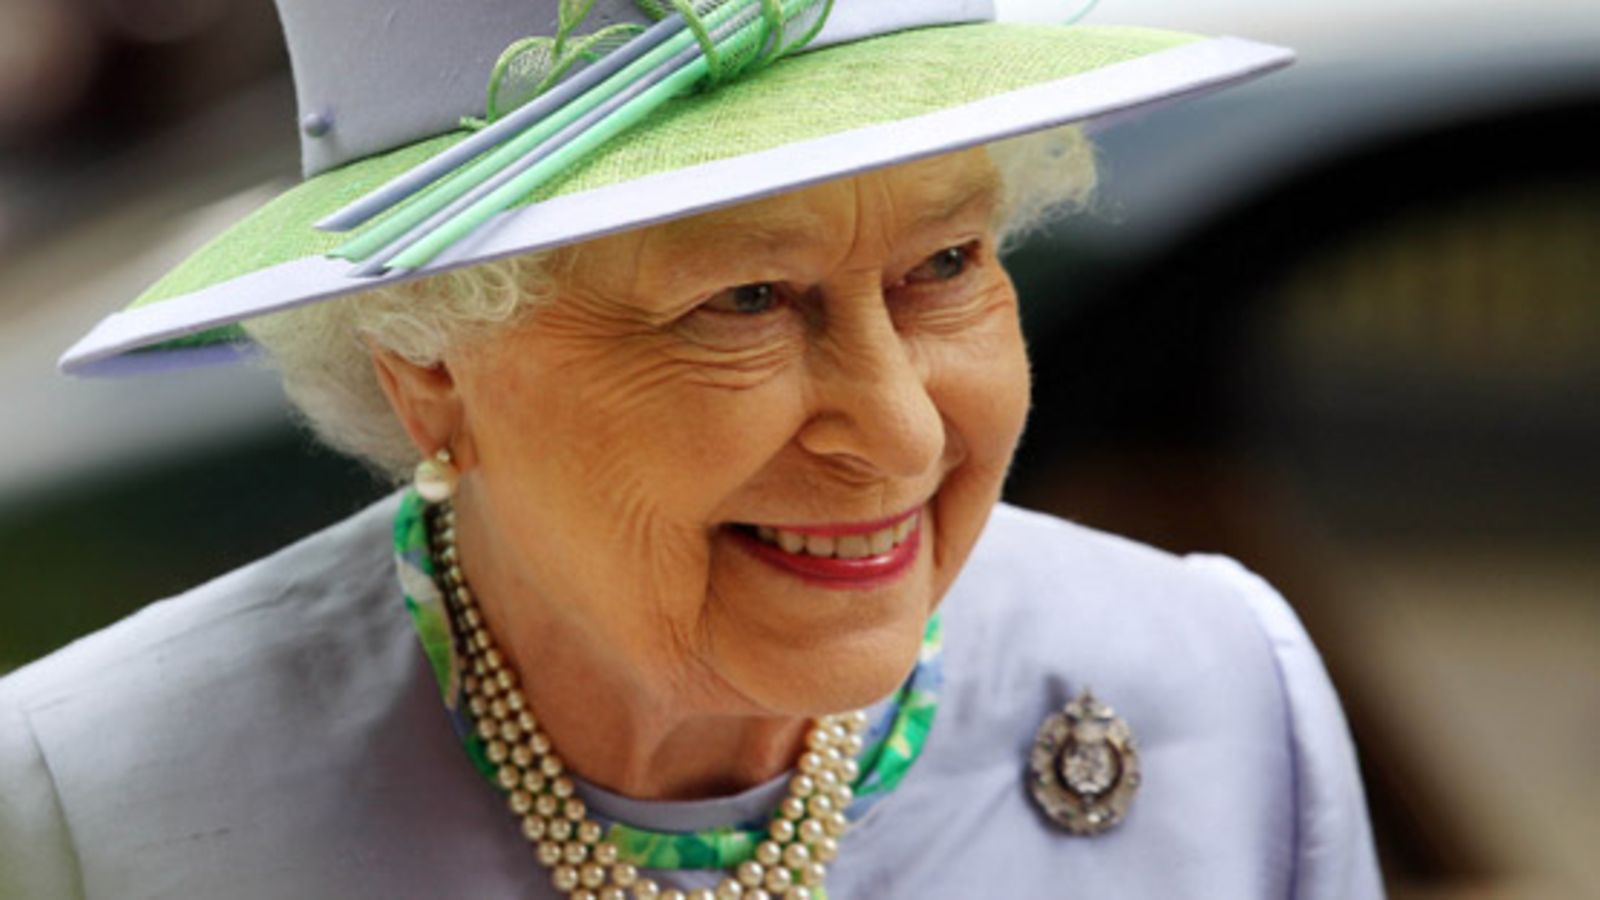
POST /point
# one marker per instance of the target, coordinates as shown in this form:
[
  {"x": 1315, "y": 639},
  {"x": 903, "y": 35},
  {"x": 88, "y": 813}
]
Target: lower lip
[{"x": 866, "y": 572}]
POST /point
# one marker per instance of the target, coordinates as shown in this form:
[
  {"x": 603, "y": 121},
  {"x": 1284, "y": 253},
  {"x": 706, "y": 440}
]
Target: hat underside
[{"x": 839, "y": 89}]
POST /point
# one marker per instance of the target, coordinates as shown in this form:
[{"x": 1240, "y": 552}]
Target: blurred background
[{"x": 1341, "y": 323}]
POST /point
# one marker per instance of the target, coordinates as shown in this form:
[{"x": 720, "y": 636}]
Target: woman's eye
[
  {"x": 745, "y": 300},
  {"x": 946, "y": 265}
]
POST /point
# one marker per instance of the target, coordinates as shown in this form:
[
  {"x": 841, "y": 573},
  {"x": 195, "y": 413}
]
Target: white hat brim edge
[{"x": 1180, "y": 72}]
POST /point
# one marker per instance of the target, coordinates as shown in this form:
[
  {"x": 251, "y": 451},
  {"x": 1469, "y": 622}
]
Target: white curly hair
[{"x": 321, "y": 351}]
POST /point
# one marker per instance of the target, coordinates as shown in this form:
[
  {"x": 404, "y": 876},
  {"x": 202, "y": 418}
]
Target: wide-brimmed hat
[{"x": 645, "y": 111}]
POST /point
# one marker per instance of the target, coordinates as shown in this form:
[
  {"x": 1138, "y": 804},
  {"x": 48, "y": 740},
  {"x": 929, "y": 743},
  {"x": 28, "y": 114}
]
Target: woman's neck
[{"x": 649, "y": 756}]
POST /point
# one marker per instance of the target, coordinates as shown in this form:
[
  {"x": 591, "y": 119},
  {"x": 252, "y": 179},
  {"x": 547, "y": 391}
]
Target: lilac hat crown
[{"x": 373, "y": 75}]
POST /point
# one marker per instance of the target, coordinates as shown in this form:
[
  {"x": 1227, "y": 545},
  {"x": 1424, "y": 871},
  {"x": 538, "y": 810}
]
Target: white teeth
[
  {"x": 881, "y": 541},
  {"x": 849, "y": 546}
]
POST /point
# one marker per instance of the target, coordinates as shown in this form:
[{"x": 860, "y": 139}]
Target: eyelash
[
  {"x": 761, "y": 291},
  {"x": 962, "y": 255}
]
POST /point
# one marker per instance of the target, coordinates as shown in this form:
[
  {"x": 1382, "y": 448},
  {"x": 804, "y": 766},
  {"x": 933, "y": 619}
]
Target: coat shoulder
[
  {"x": 145, "y": 757},
  {"x": 1208, "y": 664},
  {"x": 1078, "y": 593}
]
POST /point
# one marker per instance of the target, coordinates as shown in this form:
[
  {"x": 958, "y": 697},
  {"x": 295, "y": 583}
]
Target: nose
[{"x": 871, "y": 412}]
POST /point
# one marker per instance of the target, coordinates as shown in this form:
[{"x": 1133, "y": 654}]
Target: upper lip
[{"x": 839, "y": 529}]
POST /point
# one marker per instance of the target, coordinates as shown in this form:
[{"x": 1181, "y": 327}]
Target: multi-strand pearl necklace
[{"x": 801, "y": 839}]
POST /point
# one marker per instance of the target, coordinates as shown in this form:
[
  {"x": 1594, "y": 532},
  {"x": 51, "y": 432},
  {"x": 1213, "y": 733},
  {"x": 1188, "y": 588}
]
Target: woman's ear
[{"x": 423, "y": 398}]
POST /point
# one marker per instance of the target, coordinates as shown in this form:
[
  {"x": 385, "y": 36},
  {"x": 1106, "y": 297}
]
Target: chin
[{"x": 838, "y": 673}]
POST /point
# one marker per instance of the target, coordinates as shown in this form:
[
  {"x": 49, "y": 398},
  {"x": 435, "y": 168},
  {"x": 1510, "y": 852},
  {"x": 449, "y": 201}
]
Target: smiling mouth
[
  {"x": 829, "y": 543},
  {"x": 838, "y": 556}
]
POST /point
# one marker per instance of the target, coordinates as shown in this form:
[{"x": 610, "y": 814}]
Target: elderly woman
[{"x": 702, "y": 587}]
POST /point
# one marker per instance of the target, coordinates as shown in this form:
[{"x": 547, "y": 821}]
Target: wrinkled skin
[{"x": 609, "y": 440}]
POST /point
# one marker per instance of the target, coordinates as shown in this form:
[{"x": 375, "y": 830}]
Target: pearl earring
[{"x": 435, "y": 478}]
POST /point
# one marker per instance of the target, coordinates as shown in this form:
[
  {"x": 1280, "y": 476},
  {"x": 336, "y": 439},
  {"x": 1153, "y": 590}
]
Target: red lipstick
[{"x": 832, "y": 572}]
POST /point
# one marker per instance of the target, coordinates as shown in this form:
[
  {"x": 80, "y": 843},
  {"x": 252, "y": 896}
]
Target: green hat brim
[{"x": 820, "y": 115}]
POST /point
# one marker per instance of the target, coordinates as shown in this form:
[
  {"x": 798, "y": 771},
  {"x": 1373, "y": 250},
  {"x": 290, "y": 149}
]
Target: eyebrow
[
  {"x": 779, "y": 229},
  {"x": 775, "y": 229},
  {"x": 981, "y": 189}
]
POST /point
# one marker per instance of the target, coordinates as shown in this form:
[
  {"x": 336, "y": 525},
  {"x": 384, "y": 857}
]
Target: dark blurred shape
[
  {"x": 1455, "y": 343},
  {"x": 177, "y": 57},
  {"x": 49, "y": 51},
  {"x": 83, "y": 78},
  {"x": 161, "y": 21}
]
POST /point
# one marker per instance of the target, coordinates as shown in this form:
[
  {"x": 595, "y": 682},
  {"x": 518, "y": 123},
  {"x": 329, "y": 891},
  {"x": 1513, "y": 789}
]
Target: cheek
[
  {"x": 558, "y": 456},
  {"x": 982, "y": 390},
  {"x": 982, "y": 386},
  {"x": 695, "y": 448},
  {"x": 633, "y": 451},
  {"x": 597, "y": 483}
]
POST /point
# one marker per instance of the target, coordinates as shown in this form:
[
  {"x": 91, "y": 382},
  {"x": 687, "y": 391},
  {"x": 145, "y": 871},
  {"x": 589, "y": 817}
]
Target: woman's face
[{"x": 830, "y": 367}]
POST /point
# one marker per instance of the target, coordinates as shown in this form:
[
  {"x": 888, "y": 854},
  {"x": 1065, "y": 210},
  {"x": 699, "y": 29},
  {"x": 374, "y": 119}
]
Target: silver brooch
[{"x": 1084, "y": 769}]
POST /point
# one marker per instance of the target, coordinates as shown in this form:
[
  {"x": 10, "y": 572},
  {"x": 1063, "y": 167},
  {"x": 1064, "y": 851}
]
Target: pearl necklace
[{"x": 801, "y": 838}]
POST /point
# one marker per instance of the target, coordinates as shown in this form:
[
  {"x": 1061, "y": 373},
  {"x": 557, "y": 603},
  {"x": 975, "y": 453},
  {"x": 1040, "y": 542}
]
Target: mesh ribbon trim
[
  {"x": 703, "y": 43},
  {"x": 530, "y": 66}
]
